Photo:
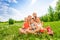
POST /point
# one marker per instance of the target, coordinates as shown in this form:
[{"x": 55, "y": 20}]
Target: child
[
  {"x": 40, "y": 26},
  {"x": 32, "y": 26},
  {"x": 25, "y": 27}
]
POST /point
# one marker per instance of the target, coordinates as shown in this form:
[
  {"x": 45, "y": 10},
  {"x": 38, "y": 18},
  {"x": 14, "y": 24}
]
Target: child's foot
[{"x": 51, "y": 34}]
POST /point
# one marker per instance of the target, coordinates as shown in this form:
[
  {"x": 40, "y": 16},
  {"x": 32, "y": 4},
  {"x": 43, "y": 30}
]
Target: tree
[
  {"x": 58, "y": 8},
  {"x": 51, "y": 13},
  {"x": 56, "y": 16},
  {"x": 45, "y": 18},
  {"x": 11, "y": 21}
]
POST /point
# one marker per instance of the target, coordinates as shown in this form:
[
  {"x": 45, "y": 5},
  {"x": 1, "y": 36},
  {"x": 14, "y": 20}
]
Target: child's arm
[
  {"x": 35, "y": 25},
  {"x": 23, "y": 26},
  {"x": 29, "y": 27}
]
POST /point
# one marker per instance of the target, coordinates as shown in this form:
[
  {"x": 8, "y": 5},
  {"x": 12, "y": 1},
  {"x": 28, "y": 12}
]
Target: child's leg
[
  {"x": 50, "y": 32},
  {"x": 30, "y": 31},
  {"x": 22, "y": 30}
]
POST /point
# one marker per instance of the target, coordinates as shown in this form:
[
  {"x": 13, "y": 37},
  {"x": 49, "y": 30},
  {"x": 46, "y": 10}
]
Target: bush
[{"x": 11, "y": 21}]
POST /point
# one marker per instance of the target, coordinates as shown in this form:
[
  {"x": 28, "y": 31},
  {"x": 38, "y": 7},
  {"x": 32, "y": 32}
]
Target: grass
[{"x": 10, "y": 32}]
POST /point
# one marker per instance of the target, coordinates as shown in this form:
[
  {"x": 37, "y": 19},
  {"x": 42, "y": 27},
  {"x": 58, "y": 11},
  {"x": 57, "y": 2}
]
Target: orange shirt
[{"x": 26, "y": 25}]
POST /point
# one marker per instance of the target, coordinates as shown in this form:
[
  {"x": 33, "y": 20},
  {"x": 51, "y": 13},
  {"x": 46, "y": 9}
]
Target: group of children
[{"x": 34, "y": 25}]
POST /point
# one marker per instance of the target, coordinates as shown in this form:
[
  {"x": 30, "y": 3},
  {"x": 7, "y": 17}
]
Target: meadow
[{"x": 10, "y": 32}]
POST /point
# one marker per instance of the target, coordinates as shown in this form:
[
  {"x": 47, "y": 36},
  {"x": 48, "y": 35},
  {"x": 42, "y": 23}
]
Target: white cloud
[
  {"x": 3, "y": 8},
  {"x": 2, "y": 19},
  {"x": 33, "y": 2},
  {"x": 7, "y": 12},
  {"x": 14, "y": 1},
  {"x": 16, "y": 15},
  {"x": 53, "y": 4}
]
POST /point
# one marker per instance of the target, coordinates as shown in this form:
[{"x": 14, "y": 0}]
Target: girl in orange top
[{"x": 25, "y": 27}]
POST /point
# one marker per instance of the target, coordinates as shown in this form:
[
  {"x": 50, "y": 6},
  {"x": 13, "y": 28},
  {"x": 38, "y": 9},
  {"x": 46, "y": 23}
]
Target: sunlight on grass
[{"x": 10, "y": 32}]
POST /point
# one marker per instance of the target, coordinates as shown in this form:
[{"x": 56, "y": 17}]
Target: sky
[{"x": 19, "y": 9}]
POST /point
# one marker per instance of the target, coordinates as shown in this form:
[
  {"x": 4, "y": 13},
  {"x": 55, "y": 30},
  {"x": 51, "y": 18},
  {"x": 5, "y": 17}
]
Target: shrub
[{"x": 11, "y": 21}]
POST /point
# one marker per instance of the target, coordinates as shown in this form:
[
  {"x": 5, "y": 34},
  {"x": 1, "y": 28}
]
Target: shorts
[
  {"x": 42, "y": 30},
  {"x": 33, "y": 29},
  {"x": 24, "y": 29}
]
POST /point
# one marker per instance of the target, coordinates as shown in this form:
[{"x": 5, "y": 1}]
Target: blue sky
[{"x": 18, "y": 9}]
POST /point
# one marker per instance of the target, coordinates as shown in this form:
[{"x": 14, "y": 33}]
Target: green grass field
[{"x": 10, "y": 32}]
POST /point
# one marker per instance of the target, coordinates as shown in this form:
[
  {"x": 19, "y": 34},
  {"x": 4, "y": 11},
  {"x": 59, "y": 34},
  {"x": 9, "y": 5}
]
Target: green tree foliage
[
  {"x": 51, "y": 13},
  {"x": 49, "y": 16},
  {"x": 11, "y": 21},
  {"x": 56, "y": 16},
  {"x": 45, "y": 18},
  {"x": 58, "y": 5},
  {"x": 58, "y": 8}
]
